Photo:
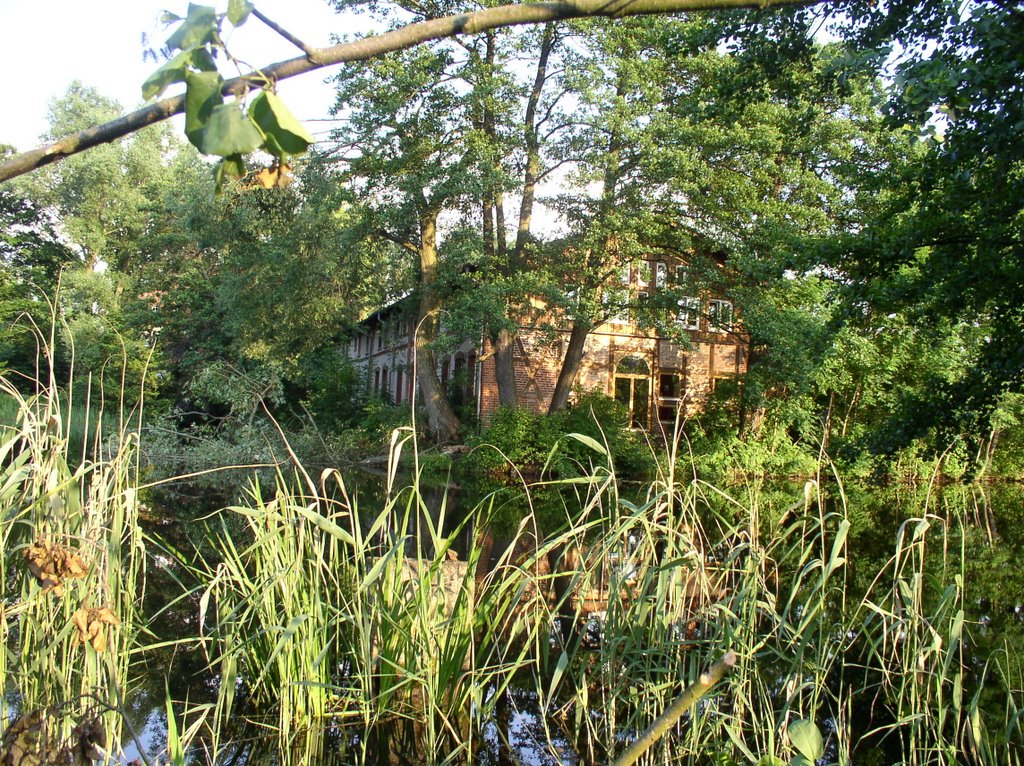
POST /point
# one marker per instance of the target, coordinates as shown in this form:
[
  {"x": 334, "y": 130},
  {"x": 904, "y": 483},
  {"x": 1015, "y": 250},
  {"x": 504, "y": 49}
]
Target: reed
[
  {"x": 683, "y": 571},
  {"x": 74, "y": 566}
]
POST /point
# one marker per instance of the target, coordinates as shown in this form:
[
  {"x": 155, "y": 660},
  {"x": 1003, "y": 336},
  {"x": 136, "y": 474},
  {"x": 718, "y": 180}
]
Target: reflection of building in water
[{"x": 654, "y": 368}]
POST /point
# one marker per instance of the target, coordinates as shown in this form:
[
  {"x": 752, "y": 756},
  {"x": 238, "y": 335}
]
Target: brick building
[{"x": 652, "y": 375}]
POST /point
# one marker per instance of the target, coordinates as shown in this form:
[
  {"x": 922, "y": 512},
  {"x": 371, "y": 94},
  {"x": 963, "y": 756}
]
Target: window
[
  {"x": 719, "y": 316},
  {"x": 689, "y": 313},
  {"x": 670, "y": 394},
  {"x": 643, "y": 274},
  {"x": 641, "y": 305},
  {"x": 624, "y": 274},
  {"x": 380, "y": 339},
  {"x": 385, "y": 383},
  {"x": 682, "y": 276},
  {"x": 376, "y": 380},
  {"x": 398, "y": 387},
  {"x": 660, "y": 274},
  {"x": 670, "y": 385}
]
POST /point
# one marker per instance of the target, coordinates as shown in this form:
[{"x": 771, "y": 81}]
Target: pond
[{"x": 893, "y": 618}]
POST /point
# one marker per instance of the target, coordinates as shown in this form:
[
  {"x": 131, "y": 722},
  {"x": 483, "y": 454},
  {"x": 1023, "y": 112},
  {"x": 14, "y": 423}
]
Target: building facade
[{"x": 654, "y": 373}]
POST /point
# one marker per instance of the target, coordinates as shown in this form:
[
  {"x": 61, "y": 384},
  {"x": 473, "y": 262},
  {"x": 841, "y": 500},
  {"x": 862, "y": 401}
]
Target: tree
[
  {"x": 943, "y": 248},
  {"x": 32, "y": 257},
  {"x": 359, "y": 50}
]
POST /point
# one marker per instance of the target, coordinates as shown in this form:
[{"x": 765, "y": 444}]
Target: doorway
[{"x": 633, "y": 389}]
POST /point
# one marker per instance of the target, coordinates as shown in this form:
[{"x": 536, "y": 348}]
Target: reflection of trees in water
[{"x": 983, "y": 534}]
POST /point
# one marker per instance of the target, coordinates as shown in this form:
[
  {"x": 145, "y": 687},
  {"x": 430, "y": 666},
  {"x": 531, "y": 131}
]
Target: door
[{"x": 633, "y": 389}]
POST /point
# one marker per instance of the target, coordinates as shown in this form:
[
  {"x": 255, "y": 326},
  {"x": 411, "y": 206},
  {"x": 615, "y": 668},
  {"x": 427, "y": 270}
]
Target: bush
[{"x": 529, "y": 440}]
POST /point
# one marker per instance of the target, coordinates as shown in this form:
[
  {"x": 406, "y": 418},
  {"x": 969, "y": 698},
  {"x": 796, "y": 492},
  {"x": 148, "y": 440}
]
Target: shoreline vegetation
[{"x": 350, "y": 633}]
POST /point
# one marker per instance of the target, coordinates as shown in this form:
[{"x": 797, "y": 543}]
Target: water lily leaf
[
  {"x": 198, "y": 28},
  {"x": 238, "y": 11},
  {"x": 229, "y": 132},
  {"x": 806, "y": 739},
  {"x": 284, "y": 133},
  {"x": 202, "y": 94}
]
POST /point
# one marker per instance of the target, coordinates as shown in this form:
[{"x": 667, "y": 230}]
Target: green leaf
[
  {"x": 284, "y": 133},
  {"x": 175, "y": 69},
  {"x": 230, "y": 132},
  {"x": 324, "y": 524},
  {"x": 202, "y": 94},
  {"x": 172, "y": 71},
  {"x": 198, "y": 28},
  {"x": 228, "y": 169},
  {"x": 806, "y": 739},
  {"x": 589, "y": 441},
  {"x": 238, "y": 11},
  {"x": 770, "y": 760}
]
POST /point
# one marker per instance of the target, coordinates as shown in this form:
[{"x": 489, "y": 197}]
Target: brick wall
[{"x": 538, "y": 361}]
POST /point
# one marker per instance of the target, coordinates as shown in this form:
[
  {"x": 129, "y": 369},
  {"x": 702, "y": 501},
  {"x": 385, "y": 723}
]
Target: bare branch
[
  {"x": 370, "y": 47},
  {"x": 312, "y": 53}
]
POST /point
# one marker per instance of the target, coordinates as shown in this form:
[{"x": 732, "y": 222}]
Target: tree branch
[
  {"x": 313, "y": 54},
  {"x": 370, "y": 47}
]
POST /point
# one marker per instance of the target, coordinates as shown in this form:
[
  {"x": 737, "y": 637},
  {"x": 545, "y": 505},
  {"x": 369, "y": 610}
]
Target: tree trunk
[
  {"x": 581, "y": 327},
  {"x": 441, "y": 420},
  {"x": 504, "y": 364},
  {"x": 496, "y": 250},
  {"x": 570, "y": 365}
]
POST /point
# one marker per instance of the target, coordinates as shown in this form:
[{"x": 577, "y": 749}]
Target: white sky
[{"x": 46, "y": 44}]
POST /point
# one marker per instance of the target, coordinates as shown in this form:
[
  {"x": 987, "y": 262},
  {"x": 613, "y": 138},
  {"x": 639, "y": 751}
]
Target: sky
[{"x": 47, "y": 44}]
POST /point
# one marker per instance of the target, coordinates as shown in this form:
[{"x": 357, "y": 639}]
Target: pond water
[{"x": 983, "y": 531}]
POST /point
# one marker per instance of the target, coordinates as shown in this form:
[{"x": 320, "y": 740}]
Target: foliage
[
  {"x": 517, "y": 438},
  {"x": 216, "y": 127},
  {"x": 74, "y": 562}
]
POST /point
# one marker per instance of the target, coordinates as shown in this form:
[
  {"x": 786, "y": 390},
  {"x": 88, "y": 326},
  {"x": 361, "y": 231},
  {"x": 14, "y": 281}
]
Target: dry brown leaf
[
  {"x": 90, "y": 624},
  {"x": 275, "y": 175},
  {"x": 52, "y": 563}
]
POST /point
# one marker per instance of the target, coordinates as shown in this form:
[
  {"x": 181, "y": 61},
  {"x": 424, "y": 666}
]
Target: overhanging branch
[{"x": 369, "y": 47}]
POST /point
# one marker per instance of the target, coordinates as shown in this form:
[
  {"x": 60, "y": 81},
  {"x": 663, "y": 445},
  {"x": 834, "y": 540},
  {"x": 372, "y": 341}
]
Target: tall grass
[
  {"x": 368, "y": 620},
  {"x": 73, "y": 562},
  {"x": 347, "y": 633}
]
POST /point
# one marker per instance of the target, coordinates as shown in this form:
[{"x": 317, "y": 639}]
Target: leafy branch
[{"x": 217, "y": 127}]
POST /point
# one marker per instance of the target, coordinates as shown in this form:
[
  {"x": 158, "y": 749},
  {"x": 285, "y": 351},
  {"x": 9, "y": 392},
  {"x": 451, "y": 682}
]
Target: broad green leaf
[
  {"x": 198, "y": 28},
  {"x": 238, "y": 11},
  {"x": 202, "y": 94},
  {"x": 228, "y": 169},
  {"x": 770, "y": 760},
  {"x": 175, "y": 69},
  {"x": 172, "y": 71},
  {"x": 284, "y": 134},
  {"x": 806, "y": 739},
  {"x": 230, "y": 132}
]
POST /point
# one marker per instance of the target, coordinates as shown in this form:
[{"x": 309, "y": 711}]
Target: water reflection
[{"x": 982, "y": 522}]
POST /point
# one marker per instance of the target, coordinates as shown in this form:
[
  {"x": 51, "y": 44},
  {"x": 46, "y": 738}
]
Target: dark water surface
[{"x": 992, "y": 542}]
